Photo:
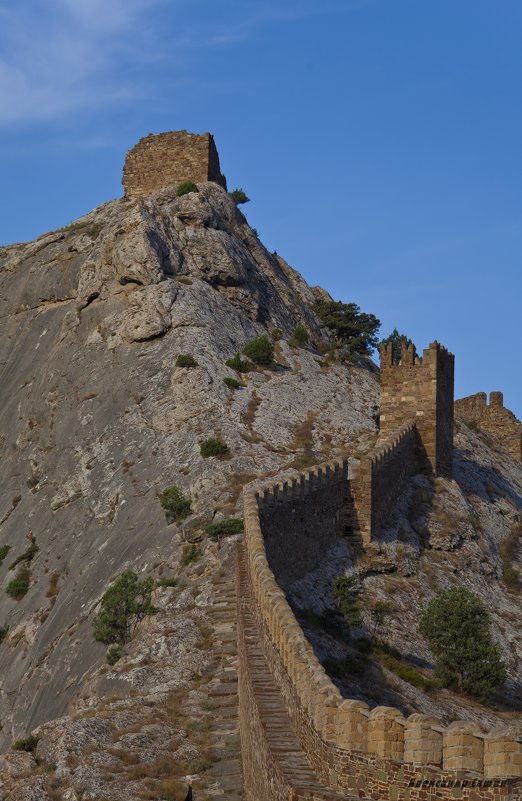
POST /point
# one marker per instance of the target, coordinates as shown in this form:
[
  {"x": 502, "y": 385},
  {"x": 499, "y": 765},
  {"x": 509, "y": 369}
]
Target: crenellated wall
[
  {"x": 301, "y": 517},
  {"x": 494, "y": 419},
  {"x": 372, "y": 754},
  {"x": 380, "y": 480}
]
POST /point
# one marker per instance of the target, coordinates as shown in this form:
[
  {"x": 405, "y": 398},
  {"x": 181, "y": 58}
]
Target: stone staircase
[
  {"x": 302, "y": 781},
  {"x": 225, "y": 777}
]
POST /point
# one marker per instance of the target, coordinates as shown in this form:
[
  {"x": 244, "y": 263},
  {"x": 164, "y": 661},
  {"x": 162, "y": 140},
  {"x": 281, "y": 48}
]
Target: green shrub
[
  {"x": 185, "y": 187},
  {"x": 300, "y": 336},
  {"x": 3, "y": 634},
  {"x": 169, "y": 581},
  {"x": 397, "y": 341},
  {"x": 175, "y": 504},
  {"x": 186, "y": 360},
  {"x": 379, "y": 612},
  {"x": 350, "y": 327},
  {"x": 345, "y": 592},
  {"x": 238, "y": 364},
  {"x": 457, "y": 627},
  {"x": 123, "y": 606},
  {"x": 213, "y": 447},
  {"x": 4, "y": 550},
  {"x": 28, "y": 555},
  {"x": 114, "y": 654},
  {"x": 232, "y": 383},
  {"x": 18, "y": 586},
  {"x": 238, "y": 196},
  {"x": 233, "y": 525},
  {"x": 276, "y": 334},
  {"x": 190, "y": 554},
  {"x": 26, "y": 744},
  {"x": 472, "y": 425},
  {"x": 407, "y": 673},
  {"x": 260, "y": 350}
]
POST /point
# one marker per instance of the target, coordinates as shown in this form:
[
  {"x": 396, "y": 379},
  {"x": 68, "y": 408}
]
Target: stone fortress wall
[
  {"x": 161, "y": 160},
  {"x": 373, "y": 754},
  {"x": 494, "y": 419},
  {"x": 288, "y": 704}
]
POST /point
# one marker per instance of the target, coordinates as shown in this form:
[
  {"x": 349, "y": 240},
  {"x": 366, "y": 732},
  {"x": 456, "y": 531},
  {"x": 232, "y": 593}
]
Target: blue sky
[{"x": 379, "y": 140}]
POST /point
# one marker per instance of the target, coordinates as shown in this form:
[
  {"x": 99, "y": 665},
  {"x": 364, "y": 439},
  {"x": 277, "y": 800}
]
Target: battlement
[
  {"x": 379, "y": 752},
  {"x": 166, "y": 159},
  {"x": 382, "y": 476},
  {"x": 493, "y": 419},
  {"x": 420, "y": 389}
]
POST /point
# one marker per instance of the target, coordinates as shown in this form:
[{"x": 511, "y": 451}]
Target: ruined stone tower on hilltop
[
  {"x": 161, "y": 160},
  {"x": 421, "y": 390}
]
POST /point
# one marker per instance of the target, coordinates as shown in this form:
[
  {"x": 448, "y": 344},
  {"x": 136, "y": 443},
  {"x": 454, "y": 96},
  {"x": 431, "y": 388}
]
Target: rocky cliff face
[{"x": 96, "y": 420}]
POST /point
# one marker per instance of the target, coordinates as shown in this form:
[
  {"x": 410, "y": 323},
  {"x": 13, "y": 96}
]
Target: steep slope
[{"x": 96, "y": 420}]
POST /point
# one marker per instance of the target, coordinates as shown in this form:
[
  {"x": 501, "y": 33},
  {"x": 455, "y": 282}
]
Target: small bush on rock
[
  {"x": 213, "y": 447},
  {"x": 260, "y": 350},
  {"x": 238, "y": 196},
  {"x": 4, "y": 550},
  {"x": 114, "y": 654},
  {"x": 234, "y": 525},
  {"x": 26, "y": 744},
  {"x": 169, "y": 581},
  {"x": 345, "y": 591},
  {"x": 300, "y": 336},
  {"x": 19, "y": 586},
  {"x": 190, "y": 554},
  {"x": 186, "y": 360},
  {"x": 232, "y": 383},
  {"x": 123, "y": 606},
  {"x": 175, "y": 504},
  {"x": 238, "y": 364},
  {"x": 185, "y": 187},
  {"x": 276, "y": 334}
]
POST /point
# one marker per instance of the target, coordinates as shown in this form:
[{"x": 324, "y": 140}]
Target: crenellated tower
[{"x": 420, "y": 390}]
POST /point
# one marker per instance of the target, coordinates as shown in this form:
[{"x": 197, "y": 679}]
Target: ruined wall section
[
  {"x": 377, "y": 753},
  {"x": 161, "y": 160},
  {"x": 494, "y": 419},
  {"x": 422, "y": 390},
  {"x": 302, "y": 517},
  {"x": 381, "y": 478}
]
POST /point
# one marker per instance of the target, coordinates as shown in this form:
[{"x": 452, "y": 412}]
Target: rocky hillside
[{"x": 96, "y": 420}]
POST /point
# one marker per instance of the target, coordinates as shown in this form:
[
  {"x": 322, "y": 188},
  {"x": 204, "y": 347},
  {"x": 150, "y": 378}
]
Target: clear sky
[{"x": 380, "y": 142}]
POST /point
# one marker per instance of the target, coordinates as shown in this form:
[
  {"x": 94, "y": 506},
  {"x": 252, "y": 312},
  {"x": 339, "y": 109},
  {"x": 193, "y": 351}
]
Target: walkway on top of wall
[{"x": 287, "y": 754}]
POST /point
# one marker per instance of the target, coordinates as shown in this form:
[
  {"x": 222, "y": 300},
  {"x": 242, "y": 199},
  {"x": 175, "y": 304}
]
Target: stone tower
[
  {"x": 421, "y": 390},
  {"x": 161, "y": 160}
]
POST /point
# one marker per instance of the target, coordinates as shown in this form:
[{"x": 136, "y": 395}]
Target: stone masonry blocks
[
  {"x": 462, "y": 749},
  {"x": 423, "y": 740},
  {"x": 494, "y": 419},
  {"x": 161, "y": 160}
]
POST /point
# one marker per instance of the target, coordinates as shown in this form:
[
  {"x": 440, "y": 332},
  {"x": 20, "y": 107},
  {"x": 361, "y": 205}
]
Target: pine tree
[{"x": 457, "y": 627}]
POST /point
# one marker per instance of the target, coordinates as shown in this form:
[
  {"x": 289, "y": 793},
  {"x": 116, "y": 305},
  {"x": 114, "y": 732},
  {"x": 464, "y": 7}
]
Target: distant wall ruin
[
  {"x": 494, "y": 419},
  {"x": 161, "y": 160}
]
